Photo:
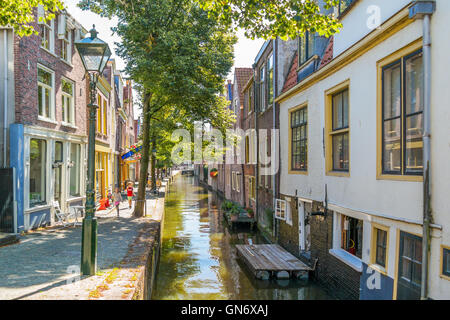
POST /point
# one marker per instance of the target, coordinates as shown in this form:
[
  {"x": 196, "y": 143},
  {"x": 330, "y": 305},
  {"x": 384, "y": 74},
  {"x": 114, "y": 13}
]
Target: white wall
[
  {"x": 355, "y": 25},
  {"x": 362, "y": 191}
]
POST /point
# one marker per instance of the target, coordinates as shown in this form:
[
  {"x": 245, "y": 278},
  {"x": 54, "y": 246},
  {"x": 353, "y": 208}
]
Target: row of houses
[
  {"x": 44, "y": 121},
  {"x": 360, "y": 117}
]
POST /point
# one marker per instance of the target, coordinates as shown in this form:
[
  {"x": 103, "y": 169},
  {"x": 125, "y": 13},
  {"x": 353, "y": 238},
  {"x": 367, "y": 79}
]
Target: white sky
[{"x": 245, "y": 50}]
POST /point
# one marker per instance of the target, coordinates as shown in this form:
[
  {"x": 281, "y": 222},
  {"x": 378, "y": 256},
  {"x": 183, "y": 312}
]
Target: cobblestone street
[{"x": 47, "y": 259}]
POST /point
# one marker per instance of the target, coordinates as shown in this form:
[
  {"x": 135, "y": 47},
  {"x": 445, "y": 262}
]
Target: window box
[{"x": 347, "y": 258}]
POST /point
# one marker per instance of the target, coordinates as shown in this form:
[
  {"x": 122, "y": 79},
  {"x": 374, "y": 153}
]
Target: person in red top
[{"x": 130, "y": 193}]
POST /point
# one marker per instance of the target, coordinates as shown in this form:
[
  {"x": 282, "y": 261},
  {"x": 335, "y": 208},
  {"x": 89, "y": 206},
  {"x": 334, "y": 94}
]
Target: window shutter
[
  {"x": 40, "y": 13},
  {"x": 62, "y": 25}
]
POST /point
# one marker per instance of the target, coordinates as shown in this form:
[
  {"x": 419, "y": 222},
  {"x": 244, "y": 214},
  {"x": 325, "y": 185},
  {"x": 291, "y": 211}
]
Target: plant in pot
[
  {"x": 227, "y": 205},
  {"x": 250, "y": 212},
  {"x": 234, "y": 212}
]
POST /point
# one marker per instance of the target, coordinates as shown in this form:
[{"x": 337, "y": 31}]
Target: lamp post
[{"x": 94, "y": 54}]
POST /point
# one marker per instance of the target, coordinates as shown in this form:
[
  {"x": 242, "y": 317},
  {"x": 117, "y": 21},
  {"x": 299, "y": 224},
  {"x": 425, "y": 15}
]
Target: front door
[
  {"x": 58, "y": 171},
  {"x": 409, "y": 267},
  {"x": 304, "y": 228}
]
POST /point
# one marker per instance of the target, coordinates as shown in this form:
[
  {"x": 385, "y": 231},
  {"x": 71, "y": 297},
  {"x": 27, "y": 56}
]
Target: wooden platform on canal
[{"x": 271, "y": 260}]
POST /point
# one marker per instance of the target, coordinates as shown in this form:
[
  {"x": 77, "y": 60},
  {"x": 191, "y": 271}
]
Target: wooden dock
[{"x": 271, "y": 260}]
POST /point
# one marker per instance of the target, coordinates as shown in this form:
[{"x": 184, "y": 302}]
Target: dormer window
[
  {"x": 343, "y": 5},
  {"x": 305, "y": 47}
]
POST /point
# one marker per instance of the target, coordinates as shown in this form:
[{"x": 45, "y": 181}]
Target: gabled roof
[
  {"x": 242, "y": 75},
  {"x": 328, "y": 55},
  {"x": 291, "y": 79}
]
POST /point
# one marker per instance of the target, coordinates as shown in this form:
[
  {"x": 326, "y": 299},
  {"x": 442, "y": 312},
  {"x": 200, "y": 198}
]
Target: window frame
[
  {"x": 51, "y": 95},
  {"x": 407, "y": 50},
  {"x": 262, "y": 88},
  {"x": 329, "y": 132},
  {"x": 270, "y": 86},
  {"x": 309, "y": 53},
  {"x": 78, "y": 172},
  {"x": 292, "y": 111},
  {"x": 374, "y": 248},
  {"x": 279, "y": 209},
  {"x": 403, "y": 115},
  {"x": 444, "y": 248},
  {"x": 51, "y": 40},
  {"x": 44, "y": 168},
  {"x": 252, "y": 188},
  {"x": 67, "y": 43},
  {"x": 71, "y": 98}
]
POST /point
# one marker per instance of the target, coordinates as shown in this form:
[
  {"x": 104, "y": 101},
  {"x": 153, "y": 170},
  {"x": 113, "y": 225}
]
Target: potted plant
[
  {"x": 234, "y": 212},
  {"x": 213, "y": 173},
  {"x": 250, "y": 212}
]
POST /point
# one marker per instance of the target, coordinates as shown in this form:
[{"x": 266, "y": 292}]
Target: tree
[
  {"x": 18, "y": 14},
  {"x": 177, "y": 54},
  {"x": 269, "y": 19}
]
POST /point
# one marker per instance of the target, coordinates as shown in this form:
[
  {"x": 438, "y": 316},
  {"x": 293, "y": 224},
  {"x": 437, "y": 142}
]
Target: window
[
  {"x": 66, "y": 47},
  {"x": 262, "y": 87},
  {"x": 351, "y": 235},
  {"x": 105, "y": 117},
  {"x": 99, "y": 113},
  {"x": 238, "y": 185},
  {"x": 251, "y": 188},
  {"x": 410, "y": 264},
  {"x": 402, "y": 116},
  {"x": 446, "y": 261},
  {"x": 67, "y": 101},
  {"x": 38, "y": 172},
  {"x": 75, "y": 169},
  {"x": 247, "y": 149},
  {"x": 337, "y": 129},
  {"x": 379, "y": 246},
  {"x": 343, "y": 5},
  {"x": 45, "y": 92},
  {"x": 299, "y": 139},
  {"x": 280, "y": 209},
  {"x": 288, "y": 212},
  {"x": 305, "y": 47},
  {"x": 233, "y": 180},
  {"x": 270, "y": 79},
  {"x": 250, "y": 99},
  {"x": 47, "y": 35}
]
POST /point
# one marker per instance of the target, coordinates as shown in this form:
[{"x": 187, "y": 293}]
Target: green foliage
[
  {"x": 227, "y": 205},
  {"x": 269, "y": 19},
  {"x": 18, "y": 14}
]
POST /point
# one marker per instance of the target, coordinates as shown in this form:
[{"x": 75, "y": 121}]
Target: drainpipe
[
  {"x": 5, "y": 102},
  {"x": 423, "y": 10},
  {"x": 255, "y": 115},
  {"x": 274, "y": 142}
]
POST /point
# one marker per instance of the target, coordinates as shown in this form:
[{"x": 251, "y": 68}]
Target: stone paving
[{"x": 45, "y": 262}]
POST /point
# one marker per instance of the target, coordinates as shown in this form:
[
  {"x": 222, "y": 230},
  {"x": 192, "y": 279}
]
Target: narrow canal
[{"x": 198, "y": 258}]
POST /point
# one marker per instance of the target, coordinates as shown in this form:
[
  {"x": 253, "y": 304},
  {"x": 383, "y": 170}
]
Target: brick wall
[
  {"x": 27, "y": 55},
  {"x": 341, "y": 280}
]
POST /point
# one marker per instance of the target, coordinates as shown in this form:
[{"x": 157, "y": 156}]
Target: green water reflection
[{"x": 198, "y": 258}]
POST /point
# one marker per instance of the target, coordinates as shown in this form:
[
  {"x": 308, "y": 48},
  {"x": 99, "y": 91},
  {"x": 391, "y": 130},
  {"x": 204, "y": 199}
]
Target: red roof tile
[
  {"x": 291, "y": 79},
  {"x": 328, "y": 55},
  {"x": 242, "y": 75}
]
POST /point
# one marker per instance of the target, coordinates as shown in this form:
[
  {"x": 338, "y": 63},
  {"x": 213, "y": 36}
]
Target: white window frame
[
  {"x": 71, "y": 106},
  {"x": 238, "y": 186},
  {"x": 288, "y": 211},
  {"x": 233, "y": 180},
  {"x": 51, "y": 116},
  {"x": 51, "y": 41},
  {"x": 262, "y": 88},
  {"x": 79, "y": 173},
  {"x": 280, "y": 212},
  {"x": 67, "y": 41}
]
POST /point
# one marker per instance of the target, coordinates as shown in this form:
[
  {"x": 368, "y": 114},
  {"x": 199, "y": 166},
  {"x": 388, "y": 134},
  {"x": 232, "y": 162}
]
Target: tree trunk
[
  {"x": 153, "y": 165},
  {"x": 139, "y": 207}
]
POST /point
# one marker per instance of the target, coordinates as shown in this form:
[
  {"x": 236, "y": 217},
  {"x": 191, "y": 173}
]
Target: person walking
[
  {"x": 117, "y": 197},
  {"x": 130, "y": 194}
]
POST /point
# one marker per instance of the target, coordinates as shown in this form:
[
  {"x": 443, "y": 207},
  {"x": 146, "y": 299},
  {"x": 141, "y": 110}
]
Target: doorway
[
  {"x": 57, "y": 167},
  {"x": 304, "y": 230},
  {"x": 409, "y": 267}
]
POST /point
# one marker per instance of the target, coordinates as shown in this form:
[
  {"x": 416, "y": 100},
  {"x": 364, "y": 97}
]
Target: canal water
[{"x": 198, "y": 256}]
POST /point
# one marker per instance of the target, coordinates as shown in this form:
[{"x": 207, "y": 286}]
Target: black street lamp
[{"x": 94, "y": 54}]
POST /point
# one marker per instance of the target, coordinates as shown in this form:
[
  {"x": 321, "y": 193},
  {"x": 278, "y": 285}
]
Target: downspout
[
  {"x": 274, "y": 142},
  {"x": 5, "y": 102},
  {"x": 424, "y": 10},
  {"x": 255, "y": 115}
]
